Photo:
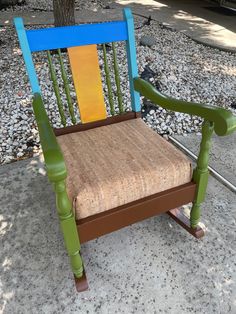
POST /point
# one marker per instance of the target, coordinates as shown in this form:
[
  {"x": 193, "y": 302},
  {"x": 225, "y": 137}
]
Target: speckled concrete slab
[
  {"x": 150, "y": 267},
  {"x": 222, "y": 153}
]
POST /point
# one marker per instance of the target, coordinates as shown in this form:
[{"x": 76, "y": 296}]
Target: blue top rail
[{"x": 78, "y": 35}]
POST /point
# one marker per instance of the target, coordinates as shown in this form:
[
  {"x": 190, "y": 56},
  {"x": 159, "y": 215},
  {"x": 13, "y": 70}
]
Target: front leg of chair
[
  {"x": 200, "y": 174},
  {"x": 71, "y": 237}
]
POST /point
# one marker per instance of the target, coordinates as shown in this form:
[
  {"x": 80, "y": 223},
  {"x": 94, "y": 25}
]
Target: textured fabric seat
[{"x": 116, "y": 164}]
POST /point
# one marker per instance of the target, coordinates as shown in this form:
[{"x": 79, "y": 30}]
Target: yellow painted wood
[{"x": 87, "y": 80}]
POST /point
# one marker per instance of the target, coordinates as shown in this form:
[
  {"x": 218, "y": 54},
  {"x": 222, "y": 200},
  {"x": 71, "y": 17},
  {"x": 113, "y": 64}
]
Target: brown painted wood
[
  {"x": 81, "y": 284},
  {"x": 97, "y": 225},
  {"x": 91, "y": 125},
  {"x": 184, "y": 222}
]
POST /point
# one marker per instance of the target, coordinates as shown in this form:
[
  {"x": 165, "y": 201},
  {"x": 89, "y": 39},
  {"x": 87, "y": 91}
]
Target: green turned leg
[
  {"x": 69, "y": 229},
  {"x": 200, "y": 174}
]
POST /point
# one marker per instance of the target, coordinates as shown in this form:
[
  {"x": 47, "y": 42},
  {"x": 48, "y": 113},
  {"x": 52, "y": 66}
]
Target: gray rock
[{"x": 147, "y": 41}]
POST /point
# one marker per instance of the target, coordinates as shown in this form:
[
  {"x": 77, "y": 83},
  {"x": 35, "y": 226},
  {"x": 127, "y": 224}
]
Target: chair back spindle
[
  {"x": 56, "y": 89},
  {"x": 108, "y": 80},
  {"x": 117, "y": 79},
  {"x": 66, "y": 88}
]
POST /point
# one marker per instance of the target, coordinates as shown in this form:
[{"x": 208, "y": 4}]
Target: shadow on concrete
[
  {"x": 204, "y": 10},
  {"x": 197, "y": 19}
]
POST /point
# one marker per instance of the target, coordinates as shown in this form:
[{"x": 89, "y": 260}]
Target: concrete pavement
[
  {"x": 222, "y": 153},
  {"x": 201, "y": 20},
  {"x": 150, "y": 267}
]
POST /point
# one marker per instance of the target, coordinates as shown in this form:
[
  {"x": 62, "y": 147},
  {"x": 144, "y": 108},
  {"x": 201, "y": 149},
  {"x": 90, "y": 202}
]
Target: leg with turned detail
[
  {"x": 200, "y": 177},
  {"x": 200, "y": 174},
  {"x": 71, "y": 237}
]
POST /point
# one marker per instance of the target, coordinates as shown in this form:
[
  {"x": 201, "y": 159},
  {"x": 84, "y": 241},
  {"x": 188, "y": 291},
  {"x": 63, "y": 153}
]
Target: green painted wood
[
  {"x": 54, "y": 161},
  {"x": 66, "y": 88},
  {"x": 56, "y": 171},
  {"x": 201, "y": 173},
  {"x": 68, "y": 226},
  {"x": 216, "y": 119},
  {"x": 117, "y": 79},
  {"x": 108, "y": 80},
  {"x": 224, "y": 120},
  {"x": 56, "y": 89}
]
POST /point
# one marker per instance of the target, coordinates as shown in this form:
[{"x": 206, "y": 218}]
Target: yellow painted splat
[{"x": 87, "y": 81}]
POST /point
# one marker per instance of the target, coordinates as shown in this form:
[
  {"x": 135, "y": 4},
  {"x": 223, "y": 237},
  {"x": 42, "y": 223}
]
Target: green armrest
[
  {"x": 54, "y": 160},
  {"x": 224, "y": 120}
]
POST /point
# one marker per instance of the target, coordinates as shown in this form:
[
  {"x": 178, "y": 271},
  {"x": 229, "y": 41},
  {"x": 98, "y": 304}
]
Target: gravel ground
[
  {"x": 43, "y": 5},
  {"x": 175, "y": 64}
]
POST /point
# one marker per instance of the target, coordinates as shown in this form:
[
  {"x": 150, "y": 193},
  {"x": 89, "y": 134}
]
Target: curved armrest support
[
  {"x": 54, "y": 160},
  {"x": 224, "y": 120}
]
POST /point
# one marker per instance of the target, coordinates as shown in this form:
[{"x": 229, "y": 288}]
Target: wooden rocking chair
[{"x": 111, "y": 171}]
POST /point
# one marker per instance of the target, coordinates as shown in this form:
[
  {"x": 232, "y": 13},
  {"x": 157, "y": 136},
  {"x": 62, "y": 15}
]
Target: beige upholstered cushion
[{"x": 116, "y": 164}]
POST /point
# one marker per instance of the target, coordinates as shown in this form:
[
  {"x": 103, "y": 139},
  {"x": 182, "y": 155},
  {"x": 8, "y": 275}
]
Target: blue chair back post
[
  {"x": 27, "y": 54},
  {"x": 132, "y": 60}
]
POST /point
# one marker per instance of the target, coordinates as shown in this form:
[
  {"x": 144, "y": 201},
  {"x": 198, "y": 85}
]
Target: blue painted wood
[
  {"x": 78, "y": 35},
  {"x": 27, "y": 54},
  {"x": 132, "y": 61}
]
